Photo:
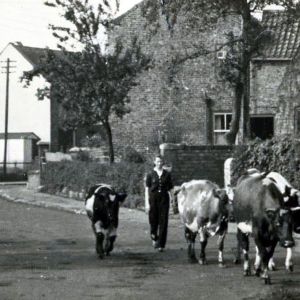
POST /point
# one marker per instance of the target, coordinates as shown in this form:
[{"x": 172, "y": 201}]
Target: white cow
[{"x": 203, "y": 209}]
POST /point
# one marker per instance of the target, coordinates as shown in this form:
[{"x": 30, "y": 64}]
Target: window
[
  {"x": 221, "y": 126},
  {"x": 262, "y": 127}
]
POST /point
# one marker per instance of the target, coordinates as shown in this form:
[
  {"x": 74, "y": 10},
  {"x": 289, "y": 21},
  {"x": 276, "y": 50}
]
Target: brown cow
[{"x": 259, "y": 210}]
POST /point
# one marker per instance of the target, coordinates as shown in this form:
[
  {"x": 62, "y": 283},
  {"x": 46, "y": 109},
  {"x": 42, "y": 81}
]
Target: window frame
[
  {"x": 225, "y": 114},
  {"x": 226, "y": 125}
]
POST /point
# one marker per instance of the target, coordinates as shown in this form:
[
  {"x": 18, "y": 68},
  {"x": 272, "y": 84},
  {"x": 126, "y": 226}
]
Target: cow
[
  {"x": 102, "y": 208},
  {"x": 259, "y": 209},
  {"x": 203, "y": 209},
  {"x": 291, "y": 198}
]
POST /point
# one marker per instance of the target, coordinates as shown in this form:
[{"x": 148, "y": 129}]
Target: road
[{"x": 49, "y": 254}]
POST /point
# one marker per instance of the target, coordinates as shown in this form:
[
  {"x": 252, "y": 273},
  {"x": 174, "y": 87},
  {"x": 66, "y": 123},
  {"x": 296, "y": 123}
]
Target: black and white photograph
[{"x": 149, "y": 149}]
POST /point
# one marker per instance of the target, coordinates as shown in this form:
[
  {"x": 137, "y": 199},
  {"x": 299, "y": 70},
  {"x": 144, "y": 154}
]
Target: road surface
[{"x": 49, "y": 254}]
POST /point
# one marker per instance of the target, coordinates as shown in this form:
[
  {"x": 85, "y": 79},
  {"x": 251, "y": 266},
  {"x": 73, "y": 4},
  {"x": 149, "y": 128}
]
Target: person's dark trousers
[{"x": 158, "y": 217}]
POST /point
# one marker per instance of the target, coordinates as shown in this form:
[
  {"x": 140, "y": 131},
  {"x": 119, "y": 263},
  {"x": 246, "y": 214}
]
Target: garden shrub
[
  {"x": 277, "y": 154},
  {"x": 132, "y": 155}
]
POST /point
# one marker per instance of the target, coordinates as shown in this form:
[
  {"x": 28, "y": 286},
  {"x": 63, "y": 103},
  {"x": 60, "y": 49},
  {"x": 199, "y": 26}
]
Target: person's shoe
[
  {"x": 155, "y": 244},
  {"x": 160, "y": 249}
]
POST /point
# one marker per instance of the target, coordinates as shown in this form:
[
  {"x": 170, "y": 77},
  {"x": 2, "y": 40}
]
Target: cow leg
[
  {"x": 221, "y": 239},
  {"x": 257, "y": 263},
  {"x": 271, "y": 263},
  {"x": 266, "y": 254},
  {"x": 203, "y": 243},
  {"x": 243, "y": 241},
  {"x": 190, "y": 238},
  {"x": 237, "y": 253},
  {"x": 98, "y": 230},
  {"x": 110, "y": 239},
  {"x": 288, "y": 260}
]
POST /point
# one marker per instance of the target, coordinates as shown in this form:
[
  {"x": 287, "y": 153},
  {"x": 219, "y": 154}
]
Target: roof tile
[{"x": 286, "y": 35}]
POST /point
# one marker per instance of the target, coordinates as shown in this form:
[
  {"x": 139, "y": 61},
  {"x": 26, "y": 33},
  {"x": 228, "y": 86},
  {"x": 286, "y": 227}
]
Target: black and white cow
[
  {"x": 260, "y": 210},
  {"x": 203, "y": 209},
  {"x": 102, "y": 207},
  {"x": 291, "y": 198}
]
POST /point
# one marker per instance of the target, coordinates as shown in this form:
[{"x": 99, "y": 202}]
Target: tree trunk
[
  {"x": 236, "y": 114},
  {"x": 241, "y": 100},
  {"x": 246, "y": 108},
  {"x": 109, "y": 140}
]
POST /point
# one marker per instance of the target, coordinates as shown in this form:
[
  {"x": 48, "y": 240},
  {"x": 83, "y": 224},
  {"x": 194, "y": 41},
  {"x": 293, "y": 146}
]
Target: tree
[
  {"x": 201, "y": 15},
  {"x": 89, "y": 84}
]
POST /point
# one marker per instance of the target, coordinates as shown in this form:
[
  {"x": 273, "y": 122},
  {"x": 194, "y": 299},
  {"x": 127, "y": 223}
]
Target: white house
[{"x": 29, "y": 120}]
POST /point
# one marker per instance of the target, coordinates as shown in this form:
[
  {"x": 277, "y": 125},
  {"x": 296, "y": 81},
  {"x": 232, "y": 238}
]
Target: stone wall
[{"x": 196, "y": 162}]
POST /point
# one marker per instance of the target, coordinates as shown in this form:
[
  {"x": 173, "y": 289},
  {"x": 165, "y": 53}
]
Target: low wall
[{"x": 196, "y": 162}]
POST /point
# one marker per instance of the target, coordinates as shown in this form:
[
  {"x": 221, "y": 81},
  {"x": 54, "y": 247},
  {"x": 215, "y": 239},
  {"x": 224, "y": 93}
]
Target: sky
[{"x": 27, "y": 21}]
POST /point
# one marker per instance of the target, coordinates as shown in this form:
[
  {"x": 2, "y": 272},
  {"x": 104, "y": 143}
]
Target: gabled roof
[
  {"x": 20, "y": 135},
  {"x": 286, "y": 35},
  {"x": 32, "y": 54}
]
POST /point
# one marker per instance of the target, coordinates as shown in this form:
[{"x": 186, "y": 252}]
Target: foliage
[
  {"x": 200, "y": 16},
  {"x": 133, "y": 156},
  {"x": 78, "y": 175},
  {"x": 83, "y": 155},
  {"x": 96, "y": 140},
  {"x": 90, "y": 85},
  {"x": 277, "y": 154}
]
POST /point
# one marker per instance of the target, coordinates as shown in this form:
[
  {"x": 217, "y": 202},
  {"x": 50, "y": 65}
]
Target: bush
[
  {"x": 95, "y": 140},
  {"x": 78, "y": 175},
  {"x": 133, "y": 156},
  {"x": 277, "y": 154}
]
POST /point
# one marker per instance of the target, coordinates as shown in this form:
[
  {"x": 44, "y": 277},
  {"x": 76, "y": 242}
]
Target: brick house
[
  {"x": 275, "y": 80},
  {"x": 195, "y": 106},
  {"x": 180, "y": 108}
]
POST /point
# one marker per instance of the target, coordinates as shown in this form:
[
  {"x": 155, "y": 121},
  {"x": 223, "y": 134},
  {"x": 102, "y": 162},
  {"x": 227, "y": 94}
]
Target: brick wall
[
  {"x": 275, "y": 91},
  {"x": 164, "y": 110},
  {"x": 196, "y": 162}
]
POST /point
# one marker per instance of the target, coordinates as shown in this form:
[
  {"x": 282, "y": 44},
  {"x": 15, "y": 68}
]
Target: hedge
[
  {"x": 78, "y": 176},
  {"x": 280, "y": 154}
]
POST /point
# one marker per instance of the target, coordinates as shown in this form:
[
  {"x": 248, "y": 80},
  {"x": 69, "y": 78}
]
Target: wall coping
[{"x": 169, "y": 146}]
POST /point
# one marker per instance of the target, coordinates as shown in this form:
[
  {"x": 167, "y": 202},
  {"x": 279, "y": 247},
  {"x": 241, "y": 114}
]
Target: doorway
[{"x": 262, "y": 127}]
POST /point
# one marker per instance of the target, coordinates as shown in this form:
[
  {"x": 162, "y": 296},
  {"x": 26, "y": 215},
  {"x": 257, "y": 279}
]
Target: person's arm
[
  {"x": 147, "y": 204},
  {"x": 147, "y": 189}
]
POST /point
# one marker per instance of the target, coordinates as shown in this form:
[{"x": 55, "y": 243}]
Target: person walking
[{"x": 158, "y": 184}]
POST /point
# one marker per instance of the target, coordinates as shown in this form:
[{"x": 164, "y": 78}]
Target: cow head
[
  {"x": 281, "y": 221},
  {"x": 108, "y": 195},
  {"x": 222, "y": 214}
]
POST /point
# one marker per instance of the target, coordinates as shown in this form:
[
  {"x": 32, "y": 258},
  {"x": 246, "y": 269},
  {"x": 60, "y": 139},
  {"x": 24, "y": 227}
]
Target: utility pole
[{"x": 7, "y": 71}]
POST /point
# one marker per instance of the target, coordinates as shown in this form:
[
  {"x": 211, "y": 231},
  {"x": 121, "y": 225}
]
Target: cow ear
[
  {"x": 121, "y": 197},
  {"x": 287, "y": 191}
]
